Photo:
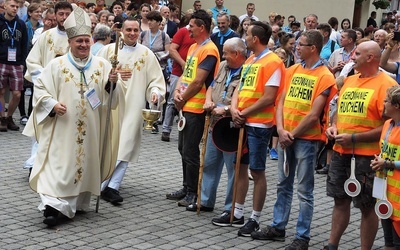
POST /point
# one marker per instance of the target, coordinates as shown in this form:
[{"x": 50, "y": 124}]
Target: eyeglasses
[{"x": 305, "y": 44}]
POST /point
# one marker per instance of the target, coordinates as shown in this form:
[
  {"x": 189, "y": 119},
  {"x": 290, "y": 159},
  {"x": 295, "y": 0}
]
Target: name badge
[
  {"x": 378, "y": 188},
  {"x": 93, "y": 99},
  {"x": 12, "y": 54}
]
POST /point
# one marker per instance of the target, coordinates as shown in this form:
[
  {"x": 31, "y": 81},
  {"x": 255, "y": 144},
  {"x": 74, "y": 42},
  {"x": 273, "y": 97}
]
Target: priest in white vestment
[
  {"x": 145, "y": 83},
  {"x": 71, "y": 98},
  {"x": 51, "y": 44}
]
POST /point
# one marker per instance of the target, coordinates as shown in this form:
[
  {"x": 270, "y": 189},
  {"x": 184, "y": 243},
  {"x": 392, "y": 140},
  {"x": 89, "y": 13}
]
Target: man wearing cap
[
  {"x": 70, "y": 102},
  {"x": 142, "y": 80},
  {"x": 218, "y": 100}
]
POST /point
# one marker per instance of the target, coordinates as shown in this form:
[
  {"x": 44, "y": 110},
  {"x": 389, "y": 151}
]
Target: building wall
[{"x": 324, "y": 9}]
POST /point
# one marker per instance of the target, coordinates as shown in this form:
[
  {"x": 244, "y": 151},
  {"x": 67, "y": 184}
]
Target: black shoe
[
  {"x": 23, "y": 120},
  {"x": 177, "y": 195},
  {"x": 224, "y": 220},
  {"x": 250, "y": 226},
  {"x": 298, "y": 244},
  {"x": 51, "y": 215},
  {"x": 187, "y": 200},
  {"x": 111, "y": 195},
  {"x": 323, "y": 170},
  {"x": 155, "y": 129},
  {"x": 269, "y": 233},
  {"x": 3, "y": 124},
  {"x": 165, "y": 136},
  {"x": 193, "y": 208},
  {"x": 51, "y": 221}
]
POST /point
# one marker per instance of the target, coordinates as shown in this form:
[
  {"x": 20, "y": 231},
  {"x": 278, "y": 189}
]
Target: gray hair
[
  {"x": 236, "y": 44},
  {"x": 101, "y": 32},
  {"x": 102, "y": 12},
  {"x": 222, "y": 14}
]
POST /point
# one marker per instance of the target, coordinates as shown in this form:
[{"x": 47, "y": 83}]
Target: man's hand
[
  {"x": 154, "y": 98},
  {"x": 60, "y": 109},
  {"x": 390, "y": 41},
  {"x": 208, "y": 106},
  {"x": 179, "y": 101},
  {"x": 113, "y": 77},
  {"x": 343, "y": 139},
  {"x": 218, "y": 111},
  {"x": 237, "y": 118},
  {"x": 125, "y": 74},
  {"x": 331, "y": 133},
  {"x": 285, "y": 138},
  {"x": 377, "y": 163}
]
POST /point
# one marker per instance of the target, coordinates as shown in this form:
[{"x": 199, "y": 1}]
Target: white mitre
[{"x": 78, "y": 23}]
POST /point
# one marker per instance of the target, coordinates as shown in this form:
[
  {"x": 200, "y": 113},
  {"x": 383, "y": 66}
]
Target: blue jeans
[
  {"x": 302, "y": 155},
  {"x": 257, "y": 143},
  {"x": 170, "y": 109},
  {"x": 213, "y": 164}
]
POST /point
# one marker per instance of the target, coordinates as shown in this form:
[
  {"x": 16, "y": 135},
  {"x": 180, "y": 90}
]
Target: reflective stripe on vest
[{"x": 195, "y": 103}]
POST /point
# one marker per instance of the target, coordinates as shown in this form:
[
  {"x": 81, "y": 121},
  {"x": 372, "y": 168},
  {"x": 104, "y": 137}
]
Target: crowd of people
[{"x": 295, "y": 92}]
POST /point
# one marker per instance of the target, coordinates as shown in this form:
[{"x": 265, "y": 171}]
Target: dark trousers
[
  {"x": 390, "y": 234},
  {"x": 188, "y": 146}
]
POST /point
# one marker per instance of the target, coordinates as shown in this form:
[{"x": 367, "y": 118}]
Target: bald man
[
  {"x": 170, "y": 26},
  {"x": 356, "y": 129}
]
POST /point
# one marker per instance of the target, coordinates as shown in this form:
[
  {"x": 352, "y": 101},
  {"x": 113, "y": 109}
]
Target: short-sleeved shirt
[
  {"x": 327, "y": 50},
  {"x": 183, "y": 39}
]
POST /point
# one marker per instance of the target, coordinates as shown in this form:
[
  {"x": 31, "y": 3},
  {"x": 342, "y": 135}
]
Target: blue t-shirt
[{"x": 327, "y": 50}]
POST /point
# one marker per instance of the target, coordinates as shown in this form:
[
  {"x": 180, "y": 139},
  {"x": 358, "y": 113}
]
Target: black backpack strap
[{"x": 333, "y": 43}]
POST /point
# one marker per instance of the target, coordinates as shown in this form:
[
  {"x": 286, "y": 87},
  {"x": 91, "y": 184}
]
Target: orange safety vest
[
  {"x": 360, "y": 109},
  {"x": 200, "y": 52},
  {"x": 392, "y": 152},
  {"x": 302, "y": 87},
  {"x": 252, "y": 87}
]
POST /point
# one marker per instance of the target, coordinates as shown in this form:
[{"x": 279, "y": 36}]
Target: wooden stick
[
  {"x": 202, "y": 156},
  {"x": 237, "y": 169},
  {"x": 114, "y": 63}
]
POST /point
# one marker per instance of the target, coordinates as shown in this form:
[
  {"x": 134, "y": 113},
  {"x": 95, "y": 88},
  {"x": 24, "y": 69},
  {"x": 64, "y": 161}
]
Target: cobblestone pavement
[{"x": 146, "y": 219}]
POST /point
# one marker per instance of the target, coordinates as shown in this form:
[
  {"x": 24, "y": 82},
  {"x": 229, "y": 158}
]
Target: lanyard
[
  {"x": 232, "y": 73},
  {"x": 81, "y": 69},
  {"x": 152, "y": 40},
  {"x": 246, "y": 71},
  {"x": 191, "y": 56},
  {"x": 385, "y": 141},
  {"x": 320, "y": 62},
  {"x": 12, "y": 31}
]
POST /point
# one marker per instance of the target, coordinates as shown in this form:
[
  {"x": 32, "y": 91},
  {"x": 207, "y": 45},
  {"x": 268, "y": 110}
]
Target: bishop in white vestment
[{"x": 70, "y": 106}]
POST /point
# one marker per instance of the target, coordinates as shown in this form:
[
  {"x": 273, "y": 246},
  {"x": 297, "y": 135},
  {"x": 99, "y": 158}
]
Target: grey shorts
[{"x": 339, "y": 172}]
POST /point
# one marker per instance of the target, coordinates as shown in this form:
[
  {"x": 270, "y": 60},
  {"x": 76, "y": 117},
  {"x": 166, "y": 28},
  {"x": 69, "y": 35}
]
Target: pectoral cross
[{"x": 81, "y": 91}]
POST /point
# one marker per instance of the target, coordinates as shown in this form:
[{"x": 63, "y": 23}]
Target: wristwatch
[{"x": 226, "y": 108}]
